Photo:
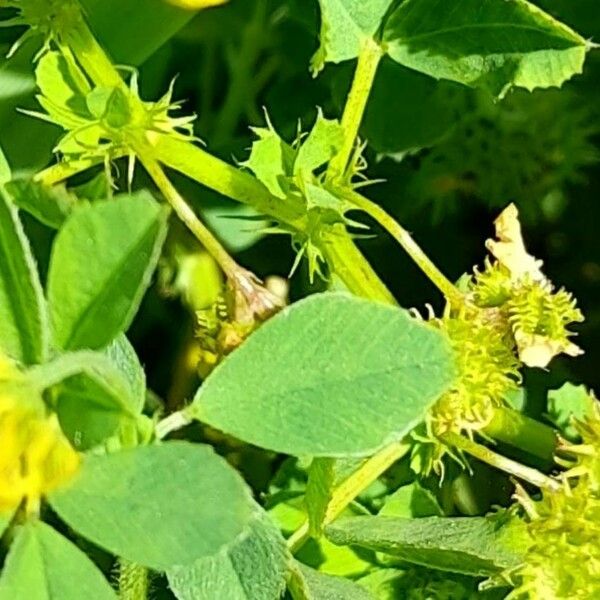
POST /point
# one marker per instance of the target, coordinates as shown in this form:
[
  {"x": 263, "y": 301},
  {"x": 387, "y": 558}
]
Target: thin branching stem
[
  {"x": 498, "y": 461},
  {"x": 452, "y": 294},
  {"x": 366, "y": 68},
  {"x": 351, "y": 487}
]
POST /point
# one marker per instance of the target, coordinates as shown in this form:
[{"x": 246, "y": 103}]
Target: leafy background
[{"x": 450, "y": 158}]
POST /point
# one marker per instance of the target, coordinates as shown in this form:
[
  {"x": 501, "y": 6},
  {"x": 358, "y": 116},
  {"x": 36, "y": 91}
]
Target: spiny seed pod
[
  {"x": 585, "y": 457},
  {"x": 487, "y": 372},
  {"x": 562, "y": 560},
  {"x": 539, "y": 319},
  {"x": 563, "y": 557},
  {"x": 537, "y": 315}
]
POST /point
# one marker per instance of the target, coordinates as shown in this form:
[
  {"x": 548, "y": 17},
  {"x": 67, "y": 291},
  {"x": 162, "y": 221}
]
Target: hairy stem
[
  {"x": 351, "y": 487},
  {"x": 366, "y": 69},
  {"x": 133, "y": 581},
  {"x": 500, "y": 462},
  {"x": 404, "y": 238},
  {"x": 174, "y": 422}
]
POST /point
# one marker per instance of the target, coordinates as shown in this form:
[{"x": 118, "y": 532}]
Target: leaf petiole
[
  {"x": 351, "y": 487},
  {"x": 498, "y": 461}
]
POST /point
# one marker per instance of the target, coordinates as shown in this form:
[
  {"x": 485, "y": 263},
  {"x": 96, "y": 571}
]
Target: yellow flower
[
  {"x": 196, "y": 4},
  {"x": 35, "y": 456}
]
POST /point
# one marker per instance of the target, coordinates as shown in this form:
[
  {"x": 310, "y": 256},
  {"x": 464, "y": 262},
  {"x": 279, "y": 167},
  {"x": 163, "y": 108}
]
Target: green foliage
[
  {"x": 492, "y": 44},
  {"x": 471, "y": 546},
  {"x": 42, "y": 564},
  {"x": 251, "y": 567},
  {"x": 397, "y": 425},
  {"x": 567, "y": 403},
  {"x": 50, "y": 206},
  {"x": 345, "y": 24},
  {"x": 122, "y": 238},
  {"x": 286, "y": 376},
  {"x": 208, "y": 504},
  {"x": 24, "y": 330},
  {"x": 309, "y": 584}
]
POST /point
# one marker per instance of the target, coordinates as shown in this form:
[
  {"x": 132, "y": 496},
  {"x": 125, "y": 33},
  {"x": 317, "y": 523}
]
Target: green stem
[
  {"x": 513, "y": 428},
  {"x": 91, "y": 56},
  {"x": 184, "y": 211},
  {"x": 364, "y": 76},
  {"x": 500, "y": 462},
  {"x": 347, "y": 263},
  {"x": 174, "y": 422},
  {"x": 133, "y": 581},
  {"x": 404, "y": 238},
  {"x": 351, "y": 487},
  {"x": 216, "y": 174}
]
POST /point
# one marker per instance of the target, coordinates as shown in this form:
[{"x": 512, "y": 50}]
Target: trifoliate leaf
[
  {"x": 358, "y": 387},
  {"x": 251, "y": 567},
  {"x": 345, "y": 25},
  {"x": 495, "y": 44},
  {"x": 44, "y": 565}
]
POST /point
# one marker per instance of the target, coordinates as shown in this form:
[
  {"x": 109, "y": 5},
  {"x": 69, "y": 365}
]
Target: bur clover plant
[{"x": 309, "y": 445}]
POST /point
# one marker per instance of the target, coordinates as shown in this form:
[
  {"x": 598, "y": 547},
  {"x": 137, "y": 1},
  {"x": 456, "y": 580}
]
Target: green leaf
[
  {"x": 468, "y": 545},
  {"x": 122, "y": 354},
  {"x": 24, "y": 329},
  {"x": 102, "y": 262},
  {"x": 252, "y": 567},
  {"x": 308, "y": 584},
  {"x": 320, "y": 146},
  {"x": 411, "y": 501},
  {"x": 324, "y": 475},
  {"x": 5, "y": 519},
  {"x": 49, "y": 205},
  {"x": 5, "y": 172},
  {"x": 484, "y": 43},
  {"x": 63, "y": 89},
  {"x": 132, "y": 30},
  {"x": 270, "y": 160},
  {"x": 345, "y": 24},
  {"x": 157, "y": 506},
  {"x": 567, "y": 403},
  {"x": 319, "y": 492},
  {"x": 43, "y": 565},
  {"x": 332, "y": 375},
  {"x": 237, "y": 225},
  {"x": 416, "y": 582},
  {"x": 93, "y": 393}
]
